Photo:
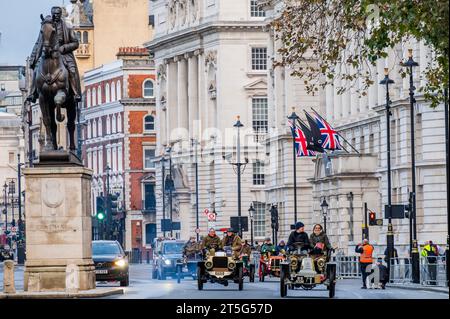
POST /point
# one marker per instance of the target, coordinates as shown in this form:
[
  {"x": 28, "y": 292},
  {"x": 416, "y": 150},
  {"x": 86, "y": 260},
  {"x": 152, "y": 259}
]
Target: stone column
[
  {"x": 373, "y": 89},
  {"x": 337, "y": 100},
  {"x": 182, "y": 85},
  {"x": 193, "y": 108},
  {"x": 8, "y": 277},
  {"x": 172, "y": 98},
  {"x": 59, "y": 231}
]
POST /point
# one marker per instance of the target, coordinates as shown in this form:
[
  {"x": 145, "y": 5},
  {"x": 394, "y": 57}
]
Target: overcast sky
[{"x": 19, "y": 27}]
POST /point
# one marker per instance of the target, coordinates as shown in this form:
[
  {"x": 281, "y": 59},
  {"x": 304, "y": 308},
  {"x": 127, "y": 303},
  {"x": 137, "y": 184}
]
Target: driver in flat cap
[{"x": 234, "y": 241}]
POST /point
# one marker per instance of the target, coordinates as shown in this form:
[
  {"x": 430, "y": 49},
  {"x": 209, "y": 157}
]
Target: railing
[
  {"x": 347, "y": 266},
  {"x": 432, "y": 271},
  {"x": 83, "y": 50}
]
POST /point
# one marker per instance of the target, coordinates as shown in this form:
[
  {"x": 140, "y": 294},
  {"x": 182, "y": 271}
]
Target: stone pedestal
[{"x": 58, "y": 232}]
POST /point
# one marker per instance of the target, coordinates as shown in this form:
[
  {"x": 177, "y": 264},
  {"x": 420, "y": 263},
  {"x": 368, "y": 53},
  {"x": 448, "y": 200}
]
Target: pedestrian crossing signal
[{"x": 372, "y": 219}]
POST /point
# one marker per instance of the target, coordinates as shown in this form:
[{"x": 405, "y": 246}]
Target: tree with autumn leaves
[{"x": 322, "y": 40}]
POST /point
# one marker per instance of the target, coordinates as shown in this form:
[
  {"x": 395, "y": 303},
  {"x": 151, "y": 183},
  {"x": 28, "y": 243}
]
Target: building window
[
  {"x": 107, "y": 93},
  {"x": 88, "y": 98},
  {"x": 94, "y": 128},
  {"x": 260, "y": 116},
  {"x": 114, "y": 124},
  {"x": 79, "y": 36},
  {"x": 114, "y": 159},
  {"x": 108, "y": 156},
  {"x": 149, "y": 123},
  {"x": 94, "y": 97},
  {"x": 89, "y": 128},
  {"x": 89, "y": 159},
  {"x": 11, "y": 157},
  {"x": 119, "y": 90},
  {"x": 148, "y": 88},
  {"x": 371, "y": 138},
  {"x": 255, "y": 10},
  {"x": 100, "y": 161},
  {"x": 149, "y": 197},
  {"x": 94, "y": 163},
  {"x": 85, "y": 37},
  {"x": 100, "y": 127},
  {"x": 120, "y": 159},
  {"x": 258, "y": 173},
  {"x": 149, "y": 155},
  {"x": 259, "y": 221},
  {"x": 99, "y": 95},
  {"x": 113, "y": 92},
  {"x": 108, "y": 125},
  {"x": 119, "y": 123},
  {"x": 259, "y": 59}
]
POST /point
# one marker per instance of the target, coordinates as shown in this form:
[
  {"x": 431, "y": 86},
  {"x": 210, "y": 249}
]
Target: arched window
[
  {"x": 88, "y": 98},
  {"x": 113, "y": 92},
  {"x": 100, "y": 127},
  {"x": 149, "y": 123},
  {"x": 94, "y": 128},
  {"x": 119, "y": 90},
  {"x": 89, "y": 130},
  {"x": 79, "y": 36},
  {"x": 148, "y": 88},
  {"x": 108, "y": 125},
  {"x": 114, "y": 124},
  {"x": 94, "y": 97},
  {"x": 85, "y": 37},
  {"x": 107, "y": 93},
  {"x": 99, "y": 95},
  {"x": 119, "y": 123}
]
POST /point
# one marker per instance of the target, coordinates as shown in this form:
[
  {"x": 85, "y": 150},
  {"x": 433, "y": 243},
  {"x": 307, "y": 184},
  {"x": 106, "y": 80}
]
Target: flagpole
[
  {"x": 337, "y": 133},
  {"x": 294, "y": 117}
]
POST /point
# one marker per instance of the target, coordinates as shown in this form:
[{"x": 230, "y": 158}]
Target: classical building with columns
[
  {"x": 211, "y": 60},
  {"x": 348, "y": 180}
]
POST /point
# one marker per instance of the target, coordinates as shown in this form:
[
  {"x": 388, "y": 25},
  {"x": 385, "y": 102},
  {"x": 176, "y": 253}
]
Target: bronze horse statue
[{"x": 52, "y": 84}]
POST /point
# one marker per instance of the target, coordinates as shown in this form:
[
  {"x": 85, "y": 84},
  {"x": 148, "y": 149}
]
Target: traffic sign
[
  {"x": 206, "y": 211},
  {"x": 197, "y": 230},
  {"x": 211, "y": 217}
]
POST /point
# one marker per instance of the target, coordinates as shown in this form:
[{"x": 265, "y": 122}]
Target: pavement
[{"x": 143, "y": 287}]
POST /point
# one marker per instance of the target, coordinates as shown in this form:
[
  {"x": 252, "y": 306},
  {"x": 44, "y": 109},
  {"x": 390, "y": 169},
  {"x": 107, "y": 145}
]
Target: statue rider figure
[{"x": 68, "y": 42}]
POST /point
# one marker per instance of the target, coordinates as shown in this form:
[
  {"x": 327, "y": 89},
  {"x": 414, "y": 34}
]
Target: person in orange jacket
[{"x": 365, "y": 259}]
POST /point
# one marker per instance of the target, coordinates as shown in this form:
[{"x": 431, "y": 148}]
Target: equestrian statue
[{"x": 56, "y": 82}]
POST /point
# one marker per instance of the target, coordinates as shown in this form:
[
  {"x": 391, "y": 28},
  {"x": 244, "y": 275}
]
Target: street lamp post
[
  {"x": 5, "y": 201},
  {"x": 294, "y": 117},
  {"x": 251, "y": 214},
  {"x": 238, "y": 125},
  {"x": 447, "y": 165},
  {"x": 324, "y": 207},
  {"x": 197, "y": 225},
  {"x": 21, "y": 243},
  {"x": 12, "y": 192},
  {"x": 163, "y": 192},
  {"x": 410, "y": 64},
  {"x": 105, "y": 226},
  {"x": 390, "y": 234}
]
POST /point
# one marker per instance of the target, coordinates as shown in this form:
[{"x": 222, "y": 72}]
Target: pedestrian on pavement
[
  {"x": 430, "y": 252},
  {"x": 394, "y": 255},
  {"x": 383, "y": 273},
  {"x": 365, "y": 259}
]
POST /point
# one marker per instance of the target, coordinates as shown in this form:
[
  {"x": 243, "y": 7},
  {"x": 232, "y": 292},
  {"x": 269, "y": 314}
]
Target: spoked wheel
[
  {"x": 283, "y": 285},
  {"x": 241, "y": 278},
  {"x": 199, "y": 278},
  {"x": 252, "y": 273}
]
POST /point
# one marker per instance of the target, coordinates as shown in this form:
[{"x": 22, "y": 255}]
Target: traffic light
[
  {"x": 101, "y": 214},
  {"x": 113, "y": 203},
  {"x": 274, "y": 217},
  {"x": 372, "y": 219}
]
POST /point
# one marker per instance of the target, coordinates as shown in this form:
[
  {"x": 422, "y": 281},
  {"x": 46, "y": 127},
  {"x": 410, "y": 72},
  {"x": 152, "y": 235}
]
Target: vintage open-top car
[
  {"x": 305, "y": 270},
  {"x": 220, "y": 267},
  {"x": 269, "y": 265}
]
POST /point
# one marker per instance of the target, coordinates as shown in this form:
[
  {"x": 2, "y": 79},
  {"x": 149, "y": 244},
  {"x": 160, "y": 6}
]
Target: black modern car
[
  {"x": 111, "y": 263},
  {"x": 165, "y": 258}
]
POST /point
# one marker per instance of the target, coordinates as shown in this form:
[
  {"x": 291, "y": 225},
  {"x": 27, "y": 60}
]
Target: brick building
[{"x": 119, "y": 140}]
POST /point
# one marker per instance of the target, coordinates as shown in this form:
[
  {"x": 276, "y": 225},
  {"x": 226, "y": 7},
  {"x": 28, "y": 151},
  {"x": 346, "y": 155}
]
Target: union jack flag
[
  {"x": 300, "y": 141},
  {"x": 329, "y": 135}
]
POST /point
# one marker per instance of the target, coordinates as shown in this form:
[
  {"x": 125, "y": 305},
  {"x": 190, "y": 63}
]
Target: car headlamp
[
  {"x": 208, "y": 264},
  {"x": 294, "y": 262},
  {"x": 167, "y": 261},
  {"x": 231, "y": 265},
  {"x": 321, "y": 262},
  {"x": 120, "y": 263}
]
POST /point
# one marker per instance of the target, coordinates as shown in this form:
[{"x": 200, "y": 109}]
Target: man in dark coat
[
  {"x": 298, "y": 237},
  {"x": 68, "y": 42}
]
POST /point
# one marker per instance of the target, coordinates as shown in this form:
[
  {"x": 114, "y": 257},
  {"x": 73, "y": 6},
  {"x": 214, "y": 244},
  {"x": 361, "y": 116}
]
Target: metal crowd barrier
[
  {"x": 432, "y": 271},
  {"x": 347, "y": 266}
]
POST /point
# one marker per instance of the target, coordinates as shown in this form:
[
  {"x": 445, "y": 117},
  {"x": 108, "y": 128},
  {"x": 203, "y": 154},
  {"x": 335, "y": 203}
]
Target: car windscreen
[
  {"x": 173, "y": 248},
  {"x": 105, "y": 249}
]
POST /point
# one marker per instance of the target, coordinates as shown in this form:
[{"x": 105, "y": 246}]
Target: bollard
[{"x": 8, "y": 277}]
